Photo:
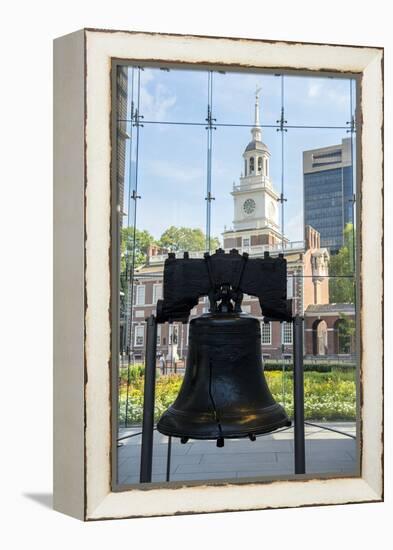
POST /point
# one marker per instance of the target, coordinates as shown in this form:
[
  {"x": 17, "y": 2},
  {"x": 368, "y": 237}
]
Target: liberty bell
[{"x": 224, "y": 393}]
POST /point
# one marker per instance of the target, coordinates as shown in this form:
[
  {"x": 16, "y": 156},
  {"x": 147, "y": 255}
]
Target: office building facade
[{"x": 328, "y": 192}]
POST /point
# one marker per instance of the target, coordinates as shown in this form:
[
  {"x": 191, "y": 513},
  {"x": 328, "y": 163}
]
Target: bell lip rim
[{"x": 287, "y": 422}]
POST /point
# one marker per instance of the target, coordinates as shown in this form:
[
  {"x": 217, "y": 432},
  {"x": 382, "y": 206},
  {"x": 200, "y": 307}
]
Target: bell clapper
[
  {"x": 252, "y": 437},
  {"x": 184, "y": 440},
  {"x": 220, "y": 442}
]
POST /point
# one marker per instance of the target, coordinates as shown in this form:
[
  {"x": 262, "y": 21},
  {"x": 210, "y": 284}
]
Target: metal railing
[{"x": 255, "y": 181}]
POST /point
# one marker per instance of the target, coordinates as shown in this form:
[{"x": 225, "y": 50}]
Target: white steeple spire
[{"x": 256, "y": 131}]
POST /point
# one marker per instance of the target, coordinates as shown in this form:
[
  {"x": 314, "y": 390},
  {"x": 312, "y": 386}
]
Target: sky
[{"x": 172, "y": 158}]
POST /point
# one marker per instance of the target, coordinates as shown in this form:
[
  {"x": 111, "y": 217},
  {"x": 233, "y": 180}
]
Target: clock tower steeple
[{"x": 255, "y": 199}]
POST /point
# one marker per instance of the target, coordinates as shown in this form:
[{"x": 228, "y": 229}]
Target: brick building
[
  {"x": 255, "y": 230},
  {"x": 330, "y": 330},
  {"x": 307, "y": 285}
]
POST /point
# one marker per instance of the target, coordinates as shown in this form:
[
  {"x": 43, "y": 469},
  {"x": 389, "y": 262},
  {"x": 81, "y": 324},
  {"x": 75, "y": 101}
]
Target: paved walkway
[{"x": 270, "y": 455}]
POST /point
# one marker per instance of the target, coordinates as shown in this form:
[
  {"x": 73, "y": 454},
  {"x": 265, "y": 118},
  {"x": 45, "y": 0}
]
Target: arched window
[
  {"x": 259, "y": 164},
  {"x": 245, "y": 167},
  {"x": 252, "y": 168}
]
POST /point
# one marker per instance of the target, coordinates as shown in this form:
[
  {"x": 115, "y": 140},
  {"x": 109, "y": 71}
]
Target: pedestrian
[{"x": 162, "y": 363}]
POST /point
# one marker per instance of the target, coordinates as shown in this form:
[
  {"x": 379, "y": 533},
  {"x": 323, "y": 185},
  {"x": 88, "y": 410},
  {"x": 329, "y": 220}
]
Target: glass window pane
[
  {"x": 245, "y": 201},
  {"x": 234, "y": 98},
  {"x": 243, "y": 179},
  {"x": 318, "y": 101},
  {"x": 173, "y": 95},
  {"x": 266, "y": 333}
]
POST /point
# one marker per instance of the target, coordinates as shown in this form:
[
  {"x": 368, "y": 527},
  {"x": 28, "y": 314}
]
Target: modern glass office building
[{"x": 328, "y": 192}]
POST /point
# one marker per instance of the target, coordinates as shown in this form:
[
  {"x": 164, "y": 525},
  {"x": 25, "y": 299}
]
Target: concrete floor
[{"x": 270, "y": 455}]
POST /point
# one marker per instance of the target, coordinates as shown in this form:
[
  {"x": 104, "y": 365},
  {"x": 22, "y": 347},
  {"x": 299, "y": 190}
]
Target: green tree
[
  {"x": 186, "y": 238},
  {"x": 346, "y": 333},
  {"x": 342, "y": 290},
  {"x": 143, "y": 239}
]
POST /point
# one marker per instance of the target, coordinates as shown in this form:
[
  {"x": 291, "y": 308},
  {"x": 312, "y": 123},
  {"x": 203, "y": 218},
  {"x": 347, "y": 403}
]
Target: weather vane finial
[{"x": 256, "y": 117}]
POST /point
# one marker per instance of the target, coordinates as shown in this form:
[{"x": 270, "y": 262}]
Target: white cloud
[
  {"x": 147, "y": 75},
  {"x": 320, "y": 90},
  {"x": 314, "y": 89},
  {"x": 234, "y": 95},
  {"x": 156, "y": 101}
]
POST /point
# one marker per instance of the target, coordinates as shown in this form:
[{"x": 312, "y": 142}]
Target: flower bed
[{"x": 327, "y": 395}]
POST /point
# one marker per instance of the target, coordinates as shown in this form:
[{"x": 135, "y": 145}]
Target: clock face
[{"x": 249, "y": 206}]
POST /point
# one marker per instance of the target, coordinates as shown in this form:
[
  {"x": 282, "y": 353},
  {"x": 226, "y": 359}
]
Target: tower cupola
[{"x": 256, "y": 155}]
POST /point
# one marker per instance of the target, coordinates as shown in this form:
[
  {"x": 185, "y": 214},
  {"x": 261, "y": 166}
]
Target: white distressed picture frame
[{"x": 82, "y": 252}]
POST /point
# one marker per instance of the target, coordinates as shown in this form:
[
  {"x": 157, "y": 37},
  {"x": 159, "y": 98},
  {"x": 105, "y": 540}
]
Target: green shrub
[
  {"x": 135, "y": 373},
  {"x": 327, "y": 395},
  {"x": 309, "y": 366},
  {"x": 167, "y": 388}
]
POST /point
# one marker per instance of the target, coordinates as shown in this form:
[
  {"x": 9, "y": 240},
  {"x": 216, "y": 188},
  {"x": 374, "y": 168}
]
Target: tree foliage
[
  {"x": 342, "y": 290},
  {"x": 173, "y": 238},
  {"x": 129, "y": 257},
  {"x": 346, "y": 333},
  {"x": 186, "y": 238}
]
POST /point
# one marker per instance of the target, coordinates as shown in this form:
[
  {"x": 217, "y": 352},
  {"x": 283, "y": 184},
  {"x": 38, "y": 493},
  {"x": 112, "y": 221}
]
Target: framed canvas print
[{"x": 218, "y": 274}]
